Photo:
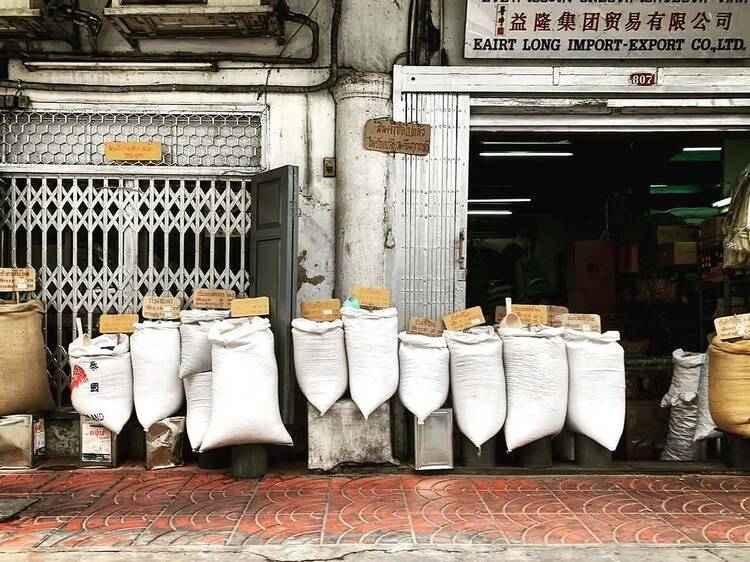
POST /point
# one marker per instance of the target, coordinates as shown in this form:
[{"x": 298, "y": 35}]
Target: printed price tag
[
  {"x": 375, "y": 297},
  {"x": 464, "y": 319},
  {"x": 321, "y": 311},
  {"x": 17, "y": 279},
  {"x": 582, "y": 322},
  {"x": 218, "y": 299},
  {"x": 420, "y": 326},
  {"x": 732, "y": 327},
  {"x": 117, "y": 323},
  {"x": 161, "y": 308},
  {"x": 259, "y": 306}
]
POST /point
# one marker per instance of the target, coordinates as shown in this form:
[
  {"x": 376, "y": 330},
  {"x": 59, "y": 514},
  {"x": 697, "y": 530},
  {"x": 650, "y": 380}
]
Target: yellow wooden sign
[
  {"x": 161, "y": 308},
  {"x": 374, "y": 297},
  {"x": 17, "y": 279},
  {"x": 534, "y": 314},
  {"x": 259, "y": 306},
  {"x": 464, "y": 319},
  {"x": 220, "y": 299},
  {"x": 733, "y": 327},
  {"x": 420, "y": 326},
  {"x": 133, "y": 151},
  {"x": 321, "y": 311},
  {"x": 582, "y": 322},
  {"x": 117, "y": 323},
  {"x": 385, "y": 135}
]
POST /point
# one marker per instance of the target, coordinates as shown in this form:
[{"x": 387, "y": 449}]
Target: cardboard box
[
  {"x": 592, "y": 301},
  {"x": 712, "y": 230},
  {"x": 677, "y": 253},
  {"x": 628, "y": 259},
  {"x": 593, "y": 264},
  {"x": 22, "y": 441},
  {"x": 667, "y": 234}
]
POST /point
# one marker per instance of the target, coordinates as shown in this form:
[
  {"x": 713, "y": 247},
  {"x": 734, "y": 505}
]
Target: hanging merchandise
[
  {"x": 536, "y": 370},
  {"x": 729, "y": 386},
  {"x": 320, "y": 361},
  {"x": 372, "y": 352},
  {"x": 682, "y": 397},
  {"x": 737, "y": 224},
  {"x": 245, "y": 397},
  {"x": 102, "y": 379},
  {"x": 477, "y": 382},
  {"x": 23, "y": 367},
  {"x": 596, "y": 393},
  {"x": 425, "y": 376},
  {"x": 705, "y": 428},
  {"x": 155, "y": 354},
  {"x": 195, "y": 354},
  {"x": 198, "y": 398}
]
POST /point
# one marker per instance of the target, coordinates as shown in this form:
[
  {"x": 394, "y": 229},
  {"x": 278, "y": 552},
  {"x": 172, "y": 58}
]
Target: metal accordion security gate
[{"x": 101, "y": 238}]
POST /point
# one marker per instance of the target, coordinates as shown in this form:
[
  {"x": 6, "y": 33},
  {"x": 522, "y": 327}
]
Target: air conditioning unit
[
  {"x": 154, "y": 19},
  {"x": 24, "y": 20}
]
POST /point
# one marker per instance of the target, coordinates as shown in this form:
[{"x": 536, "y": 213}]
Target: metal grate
[
  {"x": 47, "y": 137},
  {"x": 101, "y": 243}
]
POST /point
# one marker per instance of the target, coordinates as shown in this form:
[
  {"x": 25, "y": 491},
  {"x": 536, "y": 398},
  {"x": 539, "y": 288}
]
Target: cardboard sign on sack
[
  {"x": 17, "y": 279},
  {"x": 213, "y": 299},
  {"x": 117, "y": 323},
  {"x": 582, "y": 322},
  {"x": 419, "y": 326},
  {"x": 534, "y": 314},
  {"x": 321, "y": 311},
  {"x": 161, "y": 308},
  {"x": 733, "y": 327},
  {"x": 258, "y": 306},
  {"x": 464, "y": 319},
  {"x": 375, "y": 297}
]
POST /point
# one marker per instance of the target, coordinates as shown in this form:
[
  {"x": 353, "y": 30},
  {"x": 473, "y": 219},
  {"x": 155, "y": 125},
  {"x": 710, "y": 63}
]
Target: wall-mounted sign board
[
  {"x": 322, "y": 310},
  {"x": 258, "y": 306},
  {"x": 117, "y": 323},
  {"x": 385, "y": 135},
  {"x": 161, "y": 308},
  {"x": 420, "y": 326},
  {"x": 582, "y": 29},
  {"x": 133, "y": 151},
  {"x": 214, "y": 299},
  {"x": 373, "y": 297},
  {"x": 464, "y": 319},
  {"x": 17, "y": 279}
]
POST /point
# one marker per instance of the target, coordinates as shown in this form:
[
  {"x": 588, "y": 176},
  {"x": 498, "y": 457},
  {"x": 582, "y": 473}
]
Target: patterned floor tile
[
  {"x": 205, "y": 506},
  {"x": 631, "y": 528},
  {"x": 188, "y": 530},
  {"x": 601, "y": 502},
  {"x": 270, "y": 503},
  {"x": 543, "y": 529},
  {"x": 56, "y": 505},
  {"x": 368, "y": 522},
  {"x": 284, "y": 483},
  {"x": 580, "y": 484},
  {"x": 523, "y": 502},
  {"x": 28, "y": 532},
  {"x": 283, "y": 529},
  {"x": 216, "y": 482},
  {"x": 87, "y": 532},
  {"x": 462, "y": 505},
  {"x": 679, "y": 502},
  {"x": 24, "y": 483},
  {"x": 520, "y": 484},
  {"x": 455, "y": 528},
  {"x": 439, "y": 486},
  {"x": 704, "y": 483},
  {"x": 91, "y": 482},
  {"x": 735, "y": 502},
  {"x": 718, "y": 529},
  {"x": 651, "y": 483}
]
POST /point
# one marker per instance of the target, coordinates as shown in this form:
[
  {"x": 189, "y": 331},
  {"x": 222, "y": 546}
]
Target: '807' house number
[{"x": 643, "y": 79}]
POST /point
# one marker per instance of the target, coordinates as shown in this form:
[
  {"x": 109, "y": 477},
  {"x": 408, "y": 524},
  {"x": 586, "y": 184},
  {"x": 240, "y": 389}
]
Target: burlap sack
[
  {"x": 24, "y": 387},
  {"x": 729, "y": 386}
]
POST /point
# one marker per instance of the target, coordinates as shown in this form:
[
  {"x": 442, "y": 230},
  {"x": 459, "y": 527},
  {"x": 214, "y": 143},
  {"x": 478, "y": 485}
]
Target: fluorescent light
[
  {"x": 722, "y": 202},
  {"x": 490, "y": 212},
  {"x": 702, "y": 149},
  {"x": 525, "y": 154},
  {"x": 488, "y": 201},
  {"x": 658, "y": 185},
  {"x": 527, "y": 143},
  {"x": 140, "y": 66}
]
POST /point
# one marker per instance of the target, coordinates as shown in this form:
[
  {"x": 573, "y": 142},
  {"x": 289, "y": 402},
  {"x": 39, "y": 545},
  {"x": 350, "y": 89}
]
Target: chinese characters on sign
[{"x": 614, "y": 29}]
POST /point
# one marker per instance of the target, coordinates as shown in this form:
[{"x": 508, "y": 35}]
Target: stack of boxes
[{"x": 677, "y": 245}]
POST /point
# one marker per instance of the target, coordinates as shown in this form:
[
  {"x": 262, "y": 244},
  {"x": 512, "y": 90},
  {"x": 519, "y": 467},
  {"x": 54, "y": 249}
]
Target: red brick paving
[{"x": 186, "y": 506}]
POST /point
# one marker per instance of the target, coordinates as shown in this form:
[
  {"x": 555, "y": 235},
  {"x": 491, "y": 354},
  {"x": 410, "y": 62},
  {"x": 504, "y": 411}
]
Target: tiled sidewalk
[{"x": 125, "y": 508}]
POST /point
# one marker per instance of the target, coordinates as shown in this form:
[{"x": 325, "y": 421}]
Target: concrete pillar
[{"x": 362, "y": 178}]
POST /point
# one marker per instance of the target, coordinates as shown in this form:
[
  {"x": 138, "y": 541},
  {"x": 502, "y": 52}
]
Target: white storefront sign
[{"x": 613, "y": 29}]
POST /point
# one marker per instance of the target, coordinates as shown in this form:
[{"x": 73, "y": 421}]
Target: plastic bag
[
  {"x": 705, "y": 427},
  {"x": 195, "y": 351},
  {"x": 682, "y": 396},
  {"x": 425, "y": 374}
]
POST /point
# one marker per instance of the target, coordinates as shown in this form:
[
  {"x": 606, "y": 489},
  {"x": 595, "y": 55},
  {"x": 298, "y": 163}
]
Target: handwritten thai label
[
  {"x": 17, "y": 279},
  {"x": 117, "y": 323},
  {"x": 322, "y": 310},
  {"x": 582, "y": 322},
  {"x": 384, "y": 135},
  {"x": 161, "y": 308},
  {"x": 375, "y": 297},
  {"x": 420, "y": 326},
  {"x": 464, "y": 319},
  {"x": 133, "y": 151},
  {"x": 259, "y": 306},
  {"x": 219, "y": 299},
  {"x": 732, "y": 327},
  {"x": 534, "y": 314}
]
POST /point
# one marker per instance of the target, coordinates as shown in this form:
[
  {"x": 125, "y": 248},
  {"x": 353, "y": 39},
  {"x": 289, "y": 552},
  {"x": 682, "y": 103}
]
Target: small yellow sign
[
  {"x": 374, "y": 297},
  {"x": 733, "y": 327},
  {"x": 213, "y": 299},
  {"x": 161, "y": 308},
  {"x": 322, "y": 311},
  {"x": 582, "y": 322},
  {"x": 464, "y": 319},
  {"x": 133, "y": 151},
  {"x": 259, "y": 306},
  {"x": 419, "y": 326},
  {"x": 117, "y": 323},
  {"x": 15, "y": 279}
]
